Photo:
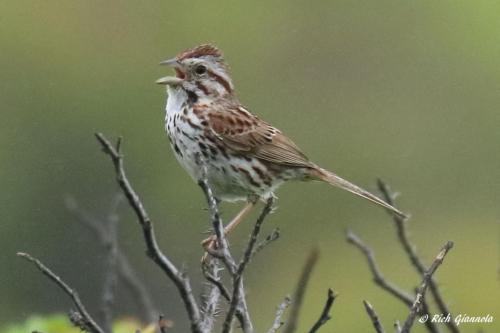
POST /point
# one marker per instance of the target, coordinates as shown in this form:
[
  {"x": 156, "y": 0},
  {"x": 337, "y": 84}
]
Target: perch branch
[
  {"x": 373, "y": 317},
  {"x": 238, "y": 297},
  {"x": 211, "y": 296},
  {"x": 223, "y": 250},
  {"x": 411, "y": 251},
  {"x": 215, "y": 280},
  {"x": 325, "y": 314},
  {"x": 300, "y": 290},
  {"x": 415, "y": 308},
  {"x": 177, "y": 277},
  {"x": 279, "y": 314},
  {"x": 223, "y": 253},
  {"x": 83, "y": 320}
]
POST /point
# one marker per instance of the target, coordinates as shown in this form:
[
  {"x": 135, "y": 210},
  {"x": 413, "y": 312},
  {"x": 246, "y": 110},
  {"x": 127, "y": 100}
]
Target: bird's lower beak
[
  {"x": 172, "y": 80},
  {"x": 169, "y": 80}
]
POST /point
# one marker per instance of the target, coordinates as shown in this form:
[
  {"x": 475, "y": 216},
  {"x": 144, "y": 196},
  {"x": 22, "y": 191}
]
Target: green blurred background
[{"x": 404, "y": 90}]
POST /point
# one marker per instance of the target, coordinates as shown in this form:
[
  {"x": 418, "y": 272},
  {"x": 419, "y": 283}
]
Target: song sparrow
[{"x": 214, "y": 136}]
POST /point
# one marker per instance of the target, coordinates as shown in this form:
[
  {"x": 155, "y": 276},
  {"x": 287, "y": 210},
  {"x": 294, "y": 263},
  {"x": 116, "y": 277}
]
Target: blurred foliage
[
  {"x": 404, "y": 90},
  {"x": 59, "y": 323}
]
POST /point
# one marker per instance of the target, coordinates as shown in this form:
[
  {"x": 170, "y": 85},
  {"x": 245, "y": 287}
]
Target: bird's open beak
[
  {"x": 169, "y": 80},
  {"x": 172, "y": 80}
]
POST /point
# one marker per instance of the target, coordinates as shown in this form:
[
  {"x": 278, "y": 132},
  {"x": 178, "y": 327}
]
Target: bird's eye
[{"x": 200, "y": 70}]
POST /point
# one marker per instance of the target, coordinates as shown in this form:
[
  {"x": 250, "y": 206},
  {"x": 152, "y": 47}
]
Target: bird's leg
[{"x": 211, "y": 241}]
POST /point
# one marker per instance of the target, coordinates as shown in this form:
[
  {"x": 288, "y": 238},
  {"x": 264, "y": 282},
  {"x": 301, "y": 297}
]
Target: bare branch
[
  {"x": 208, "y": 273},
  {"x": 83, "y": 319},
  {"x": 124, "y": 269},
  {"x": 210, "y": 297},
  {"x": 373, "y": 317},
  {"x": 223, "y": 251},
  {"x": 216, "y": 282},
  {"x": 238, "y": 297},
  {"x": 300, "y": 290},
  {"x": 410, "y": 250},
  {"x": 423, "y": 287},
  {"x": 136, "y": 286},
  {"x": 279, "y": 314},
  {"x": 249, "y": 251},
  {"x": 378, "y": 278},
  {"x": 275, "y": 235},
  {"x": 111, "y": 277},
  {"x": 180, "y": 280},
  {"x": 325, "y": 314}
]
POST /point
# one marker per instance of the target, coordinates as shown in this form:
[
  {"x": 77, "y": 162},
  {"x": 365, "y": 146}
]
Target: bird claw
[{"x": 208, "y": 244}]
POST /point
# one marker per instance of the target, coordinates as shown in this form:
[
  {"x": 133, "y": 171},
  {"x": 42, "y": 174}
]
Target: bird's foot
[{"x": 209, "y": 244}]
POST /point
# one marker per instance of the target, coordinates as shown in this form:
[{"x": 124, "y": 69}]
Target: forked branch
[
  {"x": 419, "y": 298},
  {"x": 81, "y": 318},
  {"x": 174, "y": 274},
  {"x": 411, "y": 251}
]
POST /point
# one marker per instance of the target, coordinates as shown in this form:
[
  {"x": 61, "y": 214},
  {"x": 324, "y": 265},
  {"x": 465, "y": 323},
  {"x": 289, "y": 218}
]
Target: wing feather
[{"x": 243, "y": 132}]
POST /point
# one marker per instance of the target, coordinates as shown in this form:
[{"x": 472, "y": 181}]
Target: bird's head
[{"x": 200, "y": 70}]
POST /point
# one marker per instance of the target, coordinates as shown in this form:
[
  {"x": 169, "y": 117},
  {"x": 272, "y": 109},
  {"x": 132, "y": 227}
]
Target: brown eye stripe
[
  {"x": 202, "y": 87},
  {"x": 221, "y": 80}
]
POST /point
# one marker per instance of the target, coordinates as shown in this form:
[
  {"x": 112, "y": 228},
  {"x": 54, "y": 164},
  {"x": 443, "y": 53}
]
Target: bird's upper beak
[{"x": 172, "y": 80}]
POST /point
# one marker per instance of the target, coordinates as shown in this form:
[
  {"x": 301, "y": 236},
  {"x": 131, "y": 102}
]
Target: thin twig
[
  {"x": 250, "y": 249},
  {"x": 423, "y": 287},
  {"x": 177, "y": 277},
  {"x": 275, "y": 235},
  {"x": 279, "y": 314},
  {"x": 300, "y": 290},
  {"x": 86, "y": 322},
  {"x": 111, "y": 275},
  {"x": 137, "y": 287},
  {"x": 110, "y": 279},
  {"x": 378, "y": 278},
  {"x": 373, "y": 317},
  {"x": 411, "y": 251},
  {"x": 325, "y": 314},
  {"x": 383, "y": 283},
  {"x": 238, "y": 297},
  {"x": 125, "y": 271},
  {"x": 106, "y": 232}
]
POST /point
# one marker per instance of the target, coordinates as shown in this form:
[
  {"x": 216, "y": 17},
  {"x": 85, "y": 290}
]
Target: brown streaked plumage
[{"x": 245, "y": 158}]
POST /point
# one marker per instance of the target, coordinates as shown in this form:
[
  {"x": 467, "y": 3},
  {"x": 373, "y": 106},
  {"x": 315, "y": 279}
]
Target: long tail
[{"x": 333, "y": 179}]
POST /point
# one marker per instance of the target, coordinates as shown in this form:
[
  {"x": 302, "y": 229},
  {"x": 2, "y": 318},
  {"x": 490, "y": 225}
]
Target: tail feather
[{"x": 339, "y": 182}]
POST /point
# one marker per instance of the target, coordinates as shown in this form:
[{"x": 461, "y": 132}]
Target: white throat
[{"x": 176, "y": 99}]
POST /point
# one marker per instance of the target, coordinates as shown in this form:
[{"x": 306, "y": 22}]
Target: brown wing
[{"x": 245, "y": 133}]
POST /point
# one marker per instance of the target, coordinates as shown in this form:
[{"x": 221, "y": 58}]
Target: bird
[{"x": 216, "y": 138}]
